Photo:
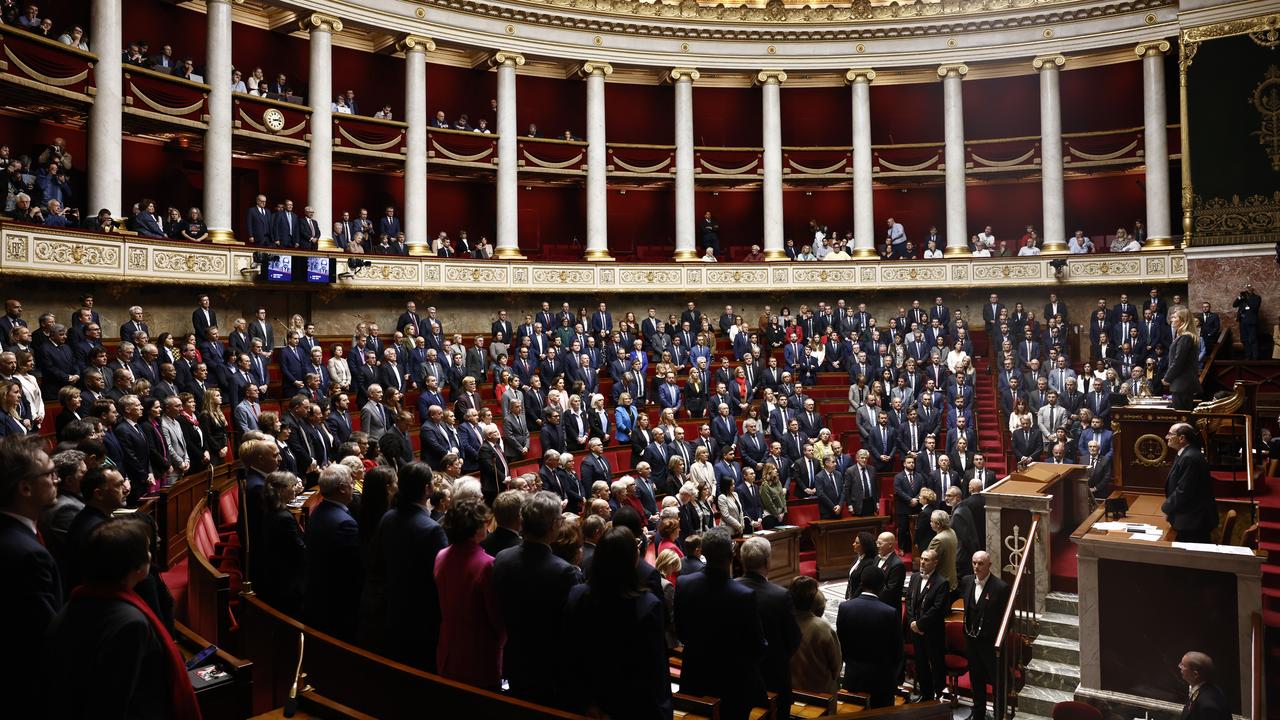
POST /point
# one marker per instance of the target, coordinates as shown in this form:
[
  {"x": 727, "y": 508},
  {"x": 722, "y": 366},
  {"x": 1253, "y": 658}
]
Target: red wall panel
[
  {"x": 1001, "y": 107},
  {"x": 640, "y": 113},
  {"x": 1099, "y": 205},
  {"x": 642, "y": 224},
  {"x": 461, "y": 90},
  {"x": 457, "y": 205},
  {"x": 833, "y": 208},
  {"x": 906, "y": 113},
  {"x": 727, "y": 117},
  {"x": 817, "y": 116},
  {"x": 553, "y": 222},
  {"x": 916, "y": 208},
  {"x": 740, "y": 214},
  {"x": 161, "y": 23},
  {"x": 1007, "y": 208},
  {"x": 555, "y": 105},
  {"x": 1102, "y": 98}
]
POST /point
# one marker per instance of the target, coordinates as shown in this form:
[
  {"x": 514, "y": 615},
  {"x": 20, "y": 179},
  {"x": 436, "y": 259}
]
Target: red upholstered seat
[
  {"x": 229, "y": 508},
  {"x": 1072, "y": 710}
]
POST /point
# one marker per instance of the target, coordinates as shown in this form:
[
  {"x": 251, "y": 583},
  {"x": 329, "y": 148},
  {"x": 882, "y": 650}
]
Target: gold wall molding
[
  {"x": 410, "y": 43},
  {"x": 320, "y": 21},
  {"x": 31, "y": 251},
  {"x": 1219, "y": 221}
]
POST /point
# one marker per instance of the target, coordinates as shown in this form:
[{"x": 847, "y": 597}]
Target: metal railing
[{"x": 1018, "y": 628}]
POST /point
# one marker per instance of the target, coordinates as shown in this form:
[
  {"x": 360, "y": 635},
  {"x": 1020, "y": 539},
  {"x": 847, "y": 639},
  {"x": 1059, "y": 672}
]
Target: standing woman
[
  {"x": 213, "y": 424},
  {"x": 730, "y": 507},
  {"x": 471, "y": 627},
  {"x": 11, "y": 422},
  {"x": 339, "y": 371},
  {"x": 284, "y": 547},
  {"x": 30, "y": 387},
  {"x": 1183, "y": 376},
  {"x": 69, "y": 398}
]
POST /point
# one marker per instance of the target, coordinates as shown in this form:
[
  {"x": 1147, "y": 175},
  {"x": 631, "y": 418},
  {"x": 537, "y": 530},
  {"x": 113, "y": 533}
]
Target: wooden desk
[
  {"x": 784, "y": 561},
  {"x": 1143, "y": 603},
  {"x": 1059, "y": 494},
  {"x": 833, "y": 540}
]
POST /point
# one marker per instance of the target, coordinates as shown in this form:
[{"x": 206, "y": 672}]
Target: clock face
[{"x": 273, "y": 119}]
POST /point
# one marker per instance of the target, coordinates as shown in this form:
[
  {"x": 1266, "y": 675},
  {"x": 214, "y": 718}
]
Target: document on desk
[
  {"x": 1210, "y": 547},
  {"x": 1149, "y": 537}
]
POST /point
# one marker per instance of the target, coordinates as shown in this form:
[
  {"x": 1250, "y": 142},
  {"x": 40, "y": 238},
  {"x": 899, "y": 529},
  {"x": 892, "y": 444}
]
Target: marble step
[
  {"x": 1063, "y": 650},
  {"x": 1062, "y": 602},
  {"x": 1035, "y": 700},
  {"x": 1055, "y": 675},
  {"x": 1060, "y": 625}
]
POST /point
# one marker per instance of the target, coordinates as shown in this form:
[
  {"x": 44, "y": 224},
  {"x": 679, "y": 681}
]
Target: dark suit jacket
[
  {"x": 136, "y": 461},
  {"x": 1210, "y": 704},
  {"x": 1189, "y": 503},
  {"x": 553, "y": 438},
  {"x": 1184, "y": 372},
  {"x": 929, "y": 609},
  {"x": 1027, "y": 444},
  {"x": 532, "y": 588},
  {"x": 635, "y": 683},
  {"x": 895, "y": 578},
  {"x": 30, "y": 597},
  {"x": 334, "y": 573},
  {"x": 286, "y": 228},
  {"x": 500, "y": 539},
  {"x": 283, "y": 554},
  {"x": 258, "y": 226},
  {"x": 781, "y": 631},
  {"x": 871, "y": 642},
  {"x": 854, "y": 493},
  {"x": 982, "y": 617},
  {"x": 724, "y": 642},
  {"x": 403, "y": 561}
]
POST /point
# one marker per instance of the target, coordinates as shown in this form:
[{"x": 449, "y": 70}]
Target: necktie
[{"x": 866, "y": 484}]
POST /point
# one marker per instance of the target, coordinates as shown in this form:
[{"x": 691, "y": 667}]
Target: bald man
[
  {"x": 1189, "y": 503},
  {"x": 1205, "y": 701},
  {"x": 984, "y": 596}
]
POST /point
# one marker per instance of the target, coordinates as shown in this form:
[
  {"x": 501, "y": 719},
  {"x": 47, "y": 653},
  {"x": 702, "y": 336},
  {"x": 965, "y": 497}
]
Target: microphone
[{"x": 291, "y": 703}]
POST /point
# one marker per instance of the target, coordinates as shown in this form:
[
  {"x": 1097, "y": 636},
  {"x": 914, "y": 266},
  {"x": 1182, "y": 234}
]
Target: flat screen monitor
[
  {"x": 319, "y": 269},
  {"x": 278, "y": 269}
]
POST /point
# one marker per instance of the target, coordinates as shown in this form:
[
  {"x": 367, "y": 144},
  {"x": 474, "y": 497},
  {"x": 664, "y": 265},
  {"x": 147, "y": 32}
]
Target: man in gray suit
[
  {"x": 375, "y": 420},
  {"x": 245, "y": 416},
  {"x": 515, "y": 428}
]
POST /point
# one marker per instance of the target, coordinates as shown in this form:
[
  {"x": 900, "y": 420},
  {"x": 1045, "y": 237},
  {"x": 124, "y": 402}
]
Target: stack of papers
[{"x": 1210, "y": 547}]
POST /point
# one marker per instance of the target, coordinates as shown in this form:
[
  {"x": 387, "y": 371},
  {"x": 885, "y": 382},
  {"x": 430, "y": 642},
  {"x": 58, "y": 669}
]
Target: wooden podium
[
  {"x": 833, "y": 541},
  {"x": 1144, "y": 603},
  {"x": 784, "y": 561},
  {"x": 1059, "y": 494}
]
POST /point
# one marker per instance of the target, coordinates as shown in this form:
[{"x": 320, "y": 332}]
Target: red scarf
[{"x": 182, "y": 696}]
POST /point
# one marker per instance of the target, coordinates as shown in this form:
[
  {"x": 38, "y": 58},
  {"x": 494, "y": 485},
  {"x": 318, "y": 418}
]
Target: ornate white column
[
  {"x": 1055, "y": 221},
  {"x": 217, "y": 138},
  {"x": 320, "y": 94},
  {"x": 864, "y": 241},
  {"x": 771, "y": 82},
  {"x": 105, "y": 133},
  {"x": 686, "y": 212},
  {"x": 1155, "y": 143},
  {"x": 415, "y": 159},
  {"x": 953, "y": 155},
  {"x": 595, "y": 72},
  {"x": 508, "y": 235}
]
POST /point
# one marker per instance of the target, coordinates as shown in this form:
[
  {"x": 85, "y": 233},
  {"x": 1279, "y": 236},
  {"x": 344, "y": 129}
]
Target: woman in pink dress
[{"x": 471, "y": 631}]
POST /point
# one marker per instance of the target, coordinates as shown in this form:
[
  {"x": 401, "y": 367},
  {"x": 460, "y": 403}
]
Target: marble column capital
[
  {"x": 859, "y": 75},
  {"x": 1147, "y": 48},
  {"x": 506, "y": 57},
  {"x": 953, "y": 70},
  {"x": 765, "y": 77},
  {"x": 682, "y": 73},
  {"x": 595, "y": 67},
  {"x": 415, "y": 43},
  {"x": 320, "y": 21},
  {"x": 1049, "y": 62}
]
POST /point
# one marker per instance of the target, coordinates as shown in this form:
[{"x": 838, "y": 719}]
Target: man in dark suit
[
  {"x": 389, "y": 224},
  {"x": 31, "y": 594},
  {"x": 719, "y": 623},
  {"x": 1028, "y": 443},
  {"x": 286, "y": 228},
  {"x": 334, "y": 574},
  {"x": 870, "y": 640},
  {"x": 257, "y": 224},
  {"x": 984, "y": 596},
  {"x": 530, "y": 659},
  {"x": 1189, "y": 503},
  {"x": 1210, "y": 325},
  {"x": 777, "y": 617},
  {"x": 552, "y": 433},
  {"x": 709, "y": 234},
  {"x": 403, "y": 561},
  {"x": 890, "y": 564},
  {"x": 1205, "y": 701},
  {"x": 133, "y": 445},
  {"x": 203, "y": 318},
  {"x": 506, "y": 517},
  {"x": 928, "y": 601},
  {"x": 493, "y": 465},
  {"x": 828, "y": 486},
  {"x": 906, "y": 499},
  {"x": 1099, "y": 470}
]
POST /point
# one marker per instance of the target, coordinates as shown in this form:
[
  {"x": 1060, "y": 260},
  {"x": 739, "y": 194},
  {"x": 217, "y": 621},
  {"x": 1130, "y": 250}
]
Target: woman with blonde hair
[
  {"x": 11, "y": 422},
  {"x": 773, "y": 497},
  {"x": 703, "y": 473},
  {"x": 213, "y": 423},
  {"x": 1182, "y": 378},
  {"x": 668, "y": 565}
]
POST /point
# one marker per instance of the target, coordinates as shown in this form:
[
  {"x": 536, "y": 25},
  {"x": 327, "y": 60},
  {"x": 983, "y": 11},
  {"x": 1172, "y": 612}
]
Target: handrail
[
  {"x": 1010, "y": 648},
  {"x": 28, "y": 35},
  {"x": 1017, "y": 581},
  {"x": 1223, "y": 340},
  {"x": 148, "y": 72}
]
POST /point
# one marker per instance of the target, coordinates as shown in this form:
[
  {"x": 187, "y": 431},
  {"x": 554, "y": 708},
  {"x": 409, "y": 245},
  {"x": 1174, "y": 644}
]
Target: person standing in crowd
[
  {"x": 1182, "y": 376},
  {"x": 471, "y": 629},
  {"x": 333, "y": 569},
  {"x": 871, "y": 640},
  {"x": 1248, "y": 307},
  {"x": 719, "y": 623},
  {"x": 928, "y": 600},
  {"x": 634, "y": 683},
  {"x": 1205, "y": 700},
  {"x": 778, "y": 618},
  {"x": 984, "y": 596}
]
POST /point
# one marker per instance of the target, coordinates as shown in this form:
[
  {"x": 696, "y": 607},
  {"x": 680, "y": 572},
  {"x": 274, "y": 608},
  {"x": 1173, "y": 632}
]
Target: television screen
[
  {"x": 319, "y": 270},
  {"x": 280, "y": 269}
]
